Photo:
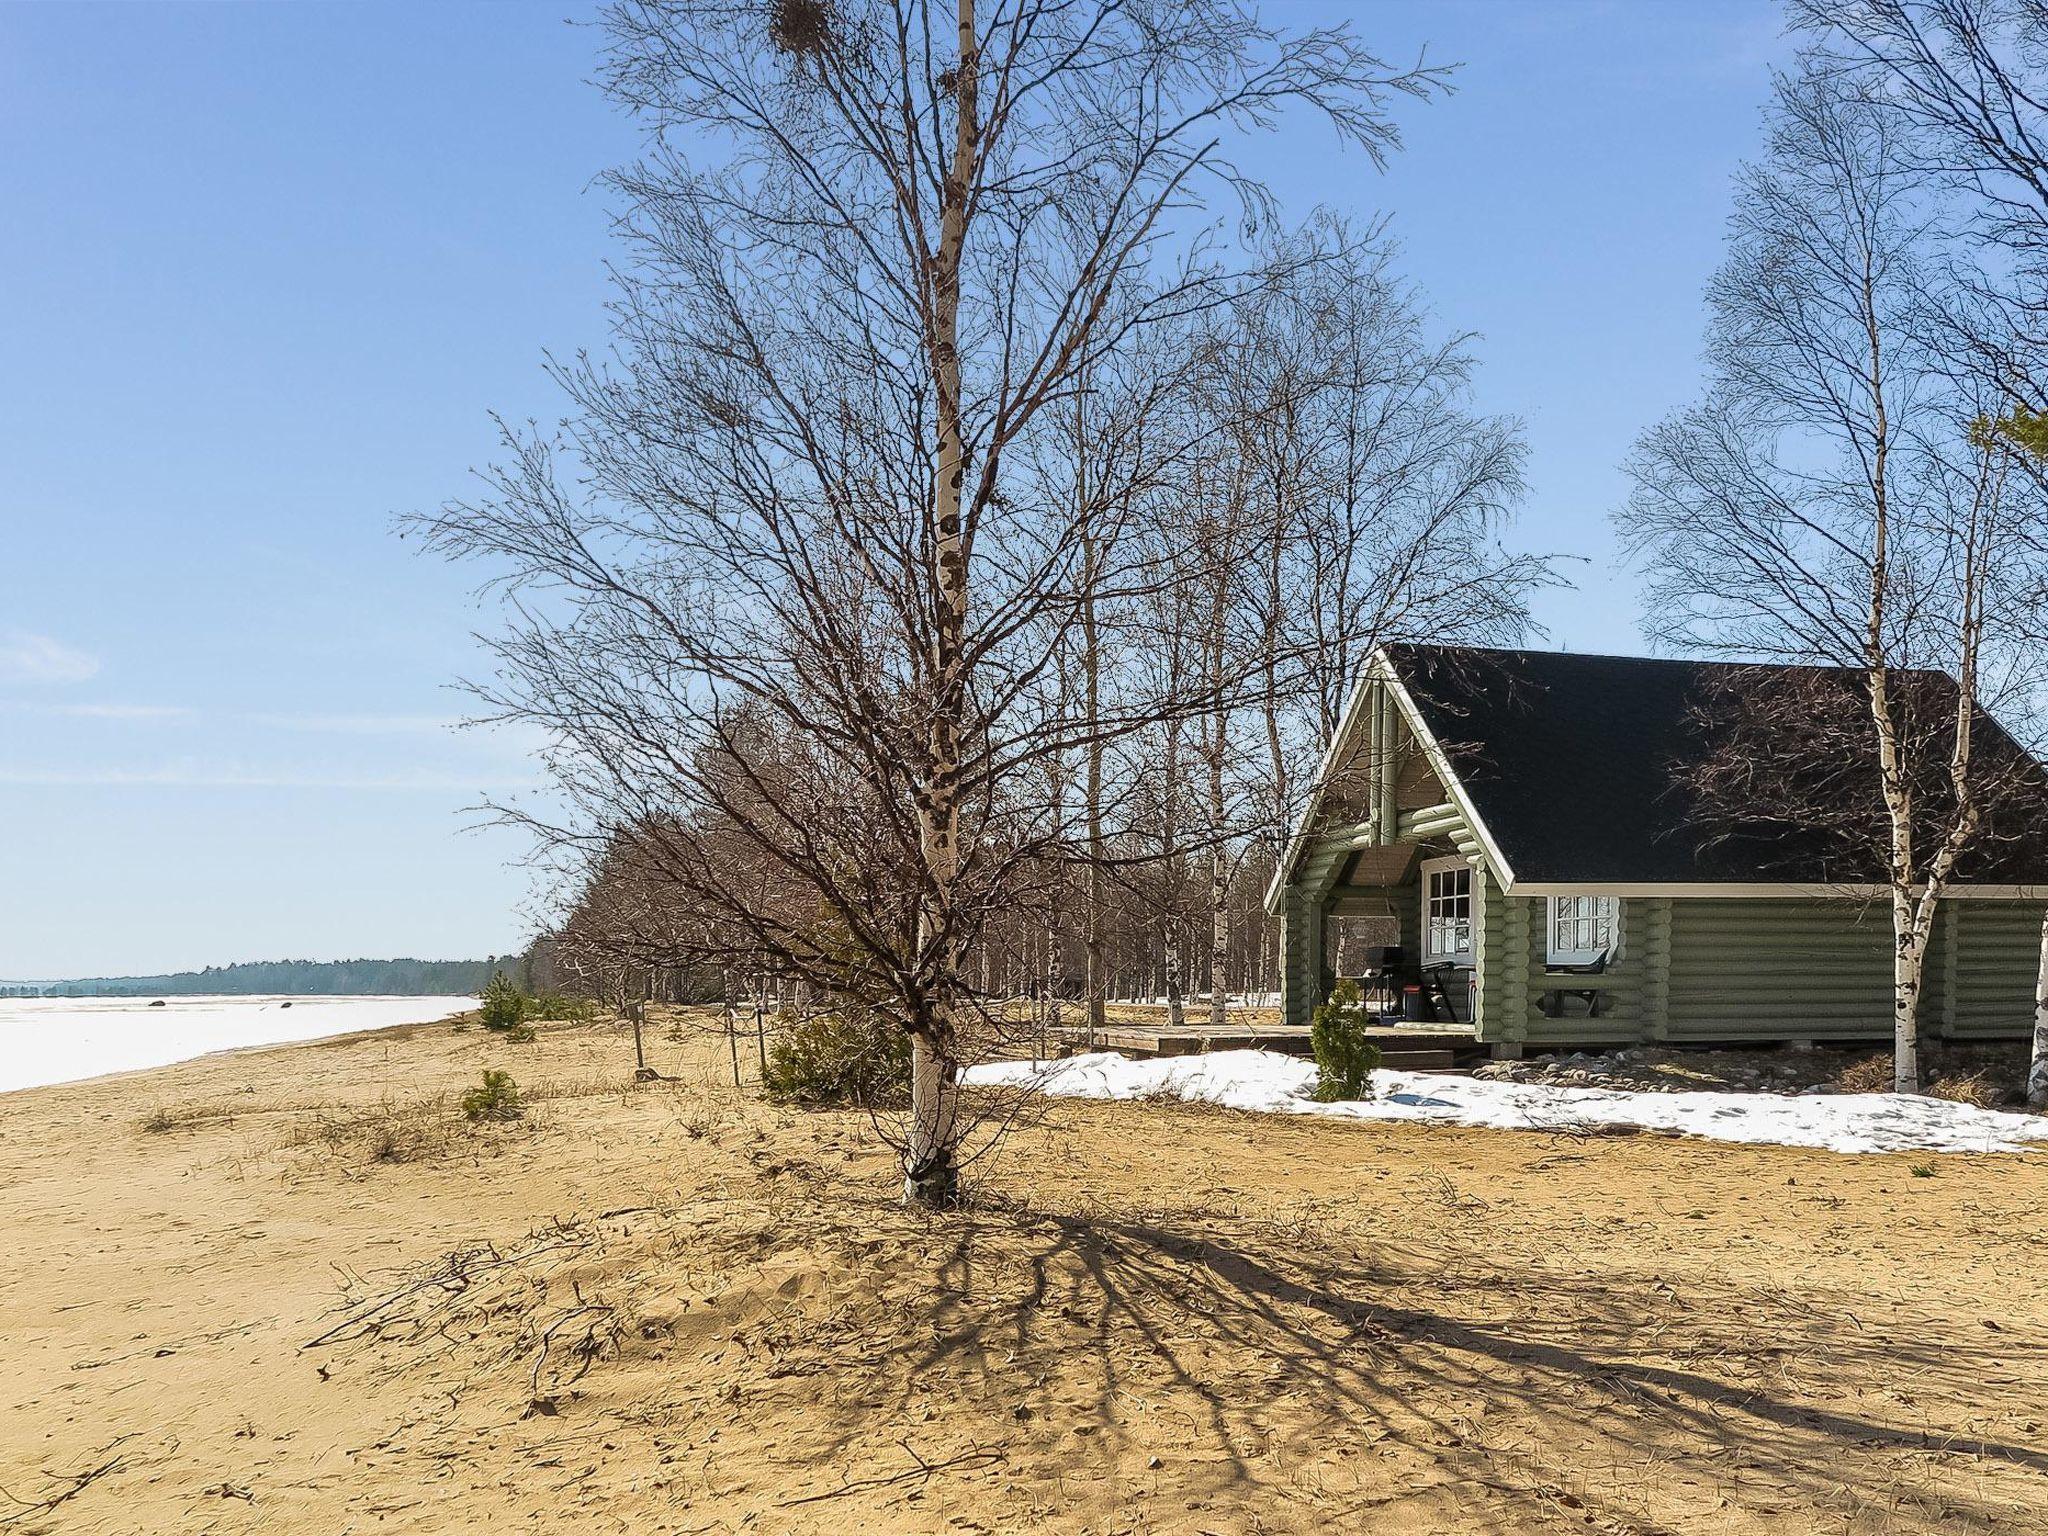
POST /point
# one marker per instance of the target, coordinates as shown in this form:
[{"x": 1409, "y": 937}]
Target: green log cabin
[{"x": 1517, "y": 824}]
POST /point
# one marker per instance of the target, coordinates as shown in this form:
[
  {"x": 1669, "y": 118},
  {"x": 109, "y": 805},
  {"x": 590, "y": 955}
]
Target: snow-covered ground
[
  {"x": 1275, "y": 1084},
  {"x": 62, "y": 1039}
]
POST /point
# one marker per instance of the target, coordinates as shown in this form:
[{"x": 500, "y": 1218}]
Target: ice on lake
[{"x": 64, "y": 1039}]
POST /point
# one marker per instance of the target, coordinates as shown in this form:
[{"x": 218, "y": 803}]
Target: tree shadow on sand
[
  {"x": 1533, "y": 1396},
  {"x": 796, "y": 1343}
]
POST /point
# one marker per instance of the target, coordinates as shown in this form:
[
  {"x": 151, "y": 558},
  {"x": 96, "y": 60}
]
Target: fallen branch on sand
[
  {"x": 441, "y": 1287},
  {"x": 74, "y": 1483},
  {"x": 529, "y": 1294},
  {"x": 917, "y": 1474}
]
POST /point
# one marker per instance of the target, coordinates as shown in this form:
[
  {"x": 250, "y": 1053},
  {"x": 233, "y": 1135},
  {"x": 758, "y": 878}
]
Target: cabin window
[
  {"x": 1583, "y": 928},
  {"x": 1447, "y": 910}
]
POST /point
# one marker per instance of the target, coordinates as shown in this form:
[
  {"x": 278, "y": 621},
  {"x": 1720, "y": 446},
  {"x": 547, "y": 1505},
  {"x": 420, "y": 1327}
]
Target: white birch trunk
[
  {"x": 1909, "y": 958},
  {"x": 1219, "y": 939},
  {"x": 1091, "y": 705},
  {"x": 1092, "y": 789},
  {"x": 1170, "y": 859},
  {"x": 1176, "y": 1013},
  {"x": 2037, "y": 1069},
  {"x": 1219, "y": 860},
  {"x": 930, "y": 1176},
  {"x": 930, "y": 1169},
  {"x": 1055, "y": 982},
  {"x": 1217, "y": 732}
]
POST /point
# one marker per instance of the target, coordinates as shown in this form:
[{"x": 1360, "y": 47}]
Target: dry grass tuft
[
  {"x": 1166, "y": 1091},
  {"x": 399, "y": 1131},
  {"x": 1979, "y": 1088},
  {"x": 245, "y": 1105},
  {"x": 1867, "y": 1074},
  {"x": 408, "y": 1131},
  {"x": 1965, "y": 1081},
  {"x": 600, "y": 1086},
  {"x": 406, "y": 1139}
]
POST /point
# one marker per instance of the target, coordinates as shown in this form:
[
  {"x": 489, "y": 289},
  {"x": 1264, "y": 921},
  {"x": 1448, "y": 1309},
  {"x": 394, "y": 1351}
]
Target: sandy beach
[{"x": 292, "y": 1290}]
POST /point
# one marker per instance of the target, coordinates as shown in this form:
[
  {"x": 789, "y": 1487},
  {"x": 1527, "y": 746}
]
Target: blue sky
[{"x": 265, "y": 269}]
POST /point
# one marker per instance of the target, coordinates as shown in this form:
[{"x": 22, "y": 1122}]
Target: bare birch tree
[
  {"x": 1836, "y": 498},
  {"x": 1966, "y": 83},
  {"x": 1969, "y": 78},
  {"x": 873, "y": 250},
  {"x": 1377, "y": 496}
]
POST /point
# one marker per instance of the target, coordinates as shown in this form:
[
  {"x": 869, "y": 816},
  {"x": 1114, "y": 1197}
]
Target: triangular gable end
[{"x": 1367, "y": 790}]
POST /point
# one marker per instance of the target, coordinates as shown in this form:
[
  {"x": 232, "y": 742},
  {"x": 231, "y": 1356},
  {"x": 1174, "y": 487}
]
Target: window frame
[
  {"x": 1553, "y": 916},
  {"x": 1467, "y": 957}
]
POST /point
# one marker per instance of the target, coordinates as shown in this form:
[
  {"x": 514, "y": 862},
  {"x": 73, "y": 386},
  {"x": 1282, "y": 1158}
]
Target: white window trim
[
  {"x": 1552, "y": 955},
  {"x": 1469, "y": 957}
]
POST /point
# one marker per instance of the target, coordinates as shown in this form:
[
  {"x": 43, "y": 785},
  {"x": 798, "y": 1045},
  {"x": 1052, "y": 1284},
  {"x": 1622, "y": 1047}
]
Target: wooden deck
[{"x": 1408, "y": 1047}]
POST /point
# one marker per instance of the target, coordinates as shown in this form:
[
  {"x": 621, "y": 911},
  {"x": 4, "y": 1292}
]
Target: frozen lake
[{"x": 63, "y": 1039}]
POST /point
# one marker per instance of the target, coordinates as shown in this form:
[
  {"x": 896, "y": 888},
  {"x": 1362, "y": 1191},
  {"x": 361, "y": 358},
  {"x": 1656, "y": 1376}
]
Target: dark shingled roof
[{"x": 1578, "y": 765}]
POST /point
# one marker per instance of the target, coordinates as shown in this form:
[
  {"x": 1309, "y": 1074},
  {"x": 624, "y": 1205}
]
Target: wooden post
[{"x": 1505, "y": 985}]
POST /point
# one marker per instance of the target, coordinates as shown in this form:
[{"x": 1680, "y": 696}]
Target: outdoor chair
[{"x": 1552, "y": 1003}]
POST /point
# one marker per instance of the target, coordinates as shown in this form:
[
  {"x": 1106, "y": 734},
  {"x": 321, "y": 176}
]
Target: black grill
[{"x": 1385, "y": 959}]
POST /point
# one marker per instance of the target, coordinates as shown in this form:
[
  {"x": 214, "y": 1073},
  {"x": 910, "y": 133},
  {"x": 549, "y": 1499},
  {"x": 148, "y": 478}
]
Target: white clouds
[
  {"x": 326, "y": 724},
  {"x": 26, "y": 658},
  {"x": 109, "y": 744}
]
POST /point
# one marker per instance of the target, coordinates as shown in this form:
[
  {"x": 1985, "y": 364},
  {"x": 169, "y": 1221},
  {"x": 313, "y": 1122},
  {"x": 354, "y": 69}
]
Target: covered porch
[{"x": 1404, "y": 918}]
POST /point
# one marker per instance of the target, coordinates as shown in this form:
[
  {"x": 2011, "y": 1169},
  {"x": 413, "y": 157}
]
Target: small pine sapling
[
  {"x": 841, "y": 1056},
  {"x": 1339, "y": 1034},
  {"x": 503, "y": 1005},
  {"x": 496, "y": 1099}
]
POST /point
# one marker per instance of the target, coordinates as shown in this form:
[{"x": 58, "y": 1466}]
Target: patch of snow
[
  {"x": 64, "y": 1039},
  {"x": 1273, "y": 1084}
]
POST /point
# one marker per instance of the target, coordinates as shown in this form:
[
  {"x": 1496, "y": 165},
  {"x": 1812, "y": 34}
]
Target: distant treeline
[{"x": 308, "y": 978}]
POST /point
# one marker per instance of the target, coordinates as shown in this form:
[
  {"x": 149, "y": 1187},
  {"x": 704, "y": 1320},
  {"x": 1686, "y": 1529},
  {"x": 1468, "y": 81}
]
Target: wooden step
[
  {"x": 1418, "y": 1061},
  {"x": 1400, "y": 1053}
]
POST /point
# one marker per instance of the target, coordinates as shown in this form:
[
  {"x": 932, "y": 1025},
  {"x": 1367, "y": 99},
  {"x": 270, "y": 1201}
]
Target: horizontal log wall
[
  {"x": 1709, "y": 969},
  {"x": 1766, "y": 968},
  {"x": 1792, "y": 969},
  {"x": 1998, "y": 963},
  {"x": 1620, "y": 986},
  {"x": 1763, "y": 968}
]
